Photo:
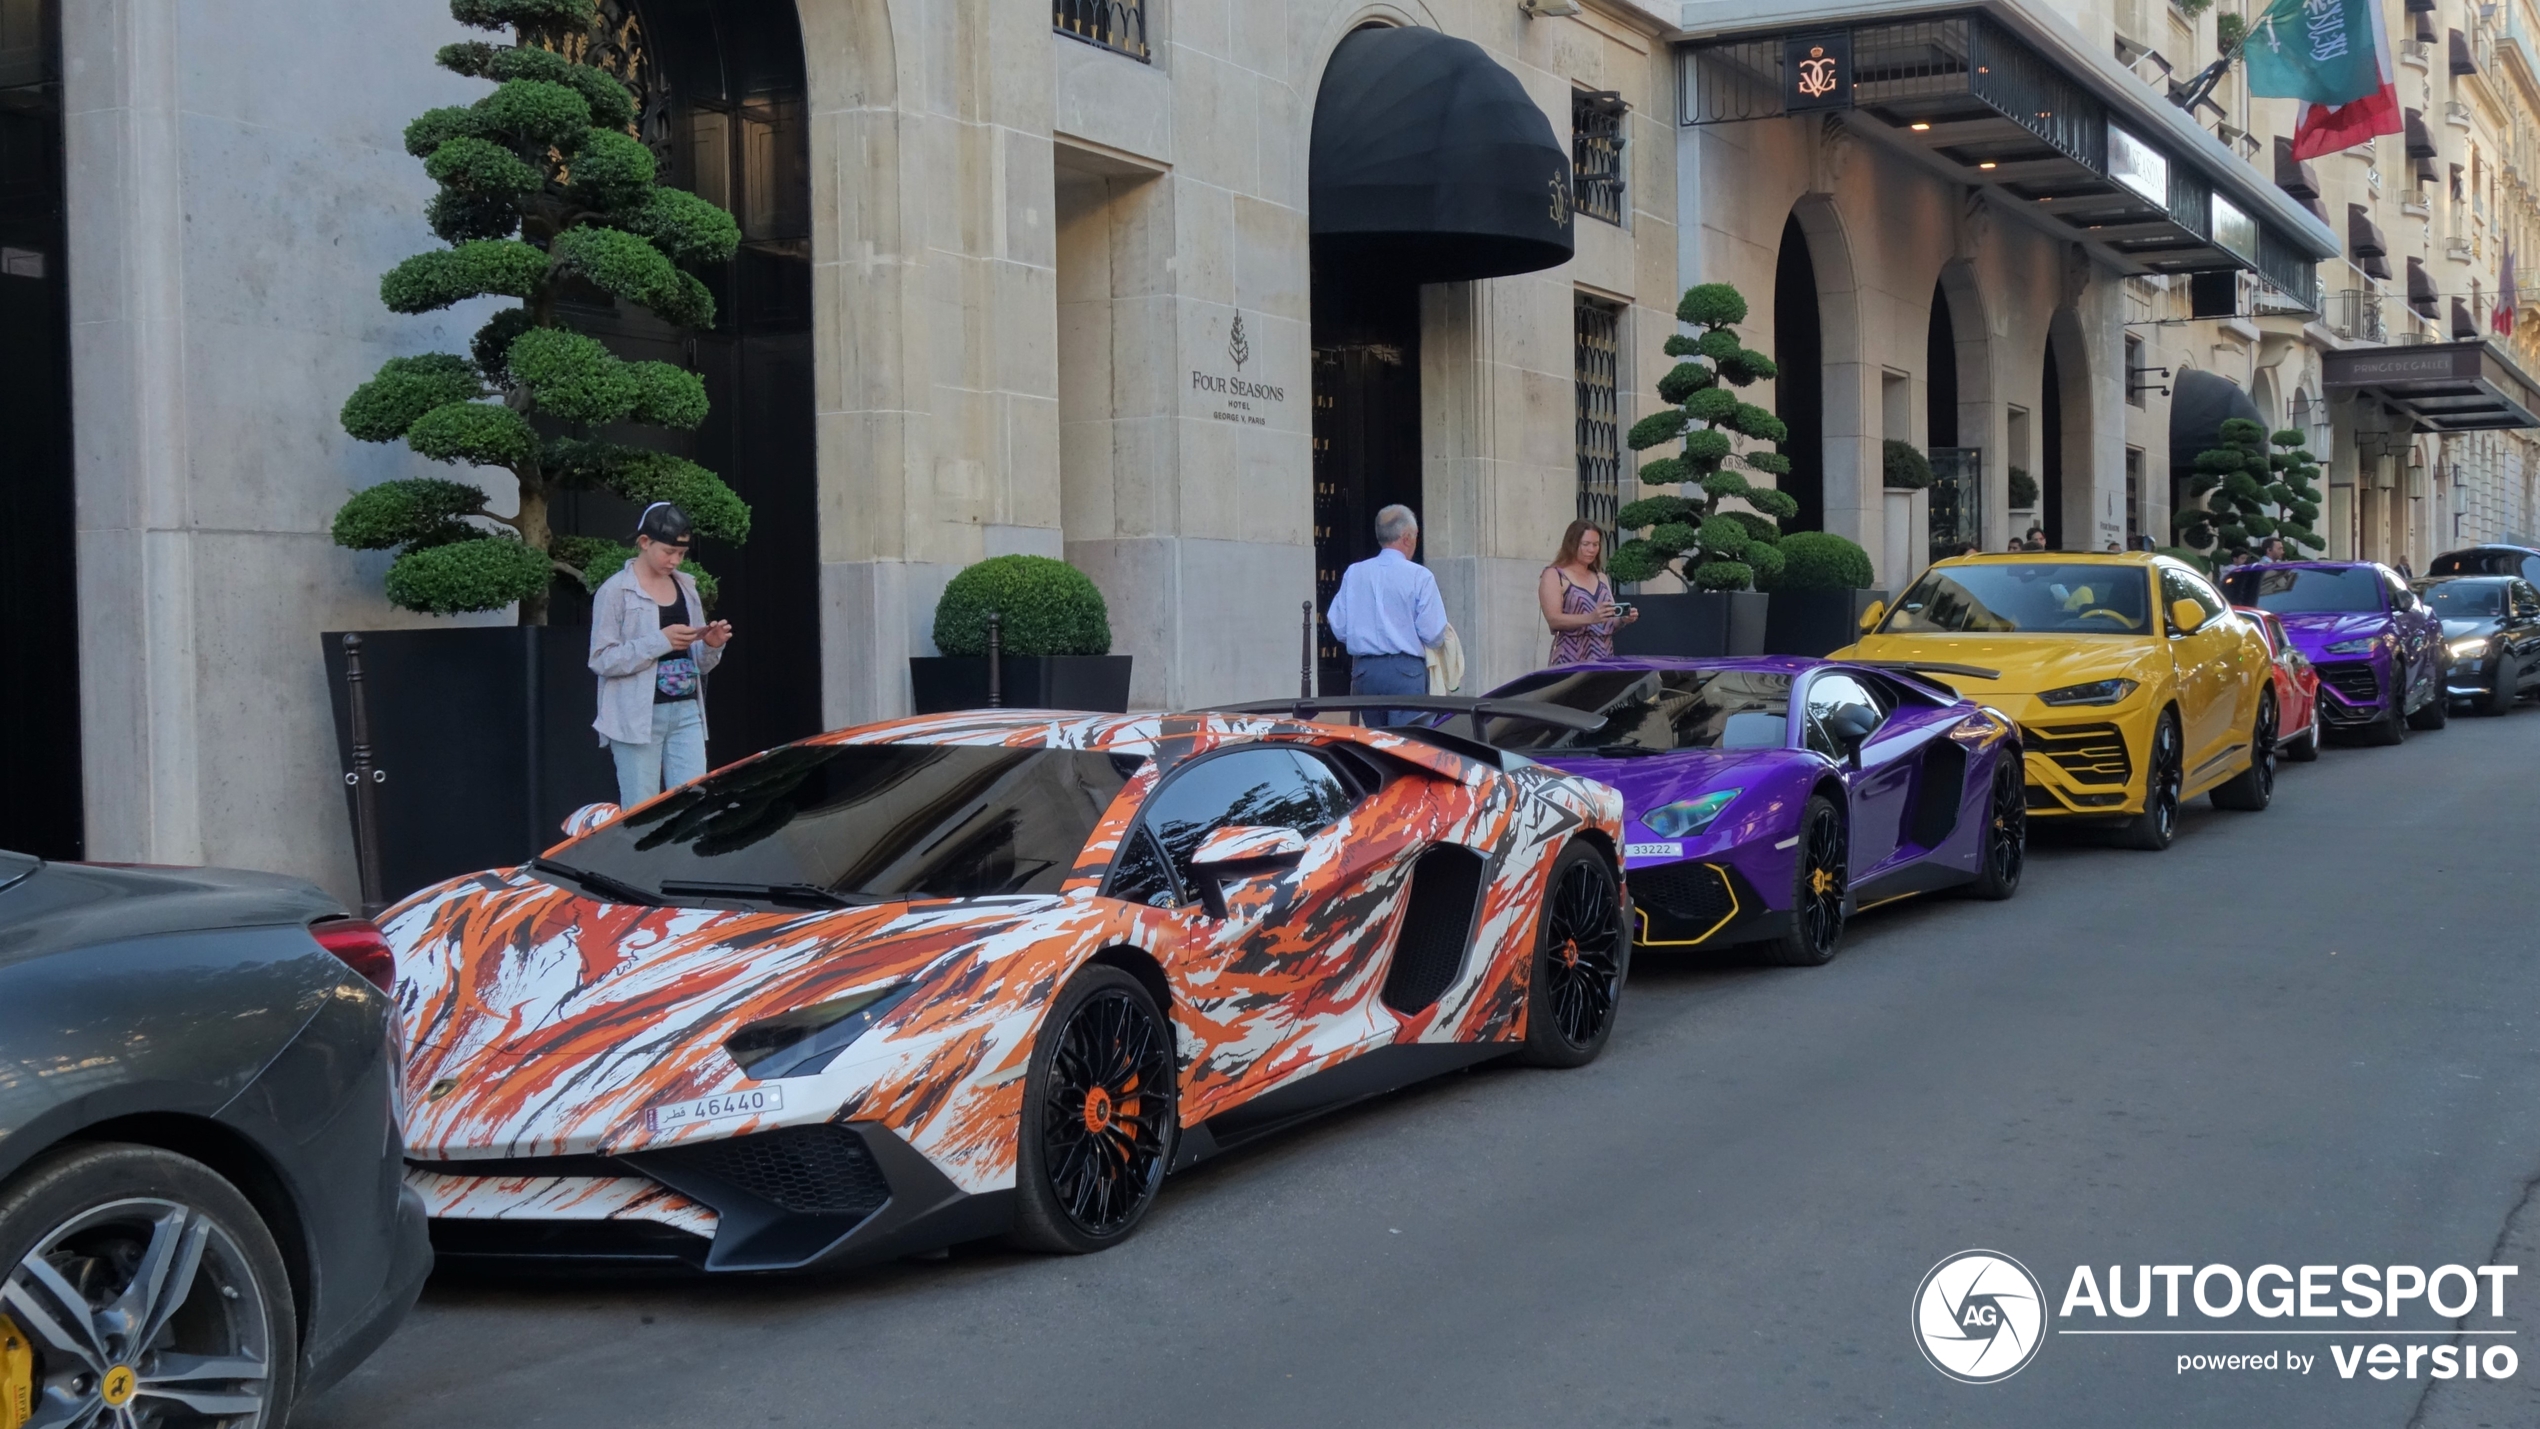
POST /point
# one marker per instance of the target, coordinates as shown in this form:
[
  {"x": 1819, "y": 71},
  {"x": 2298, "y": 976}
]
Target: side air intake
[{"x": 1437, "y": 927}]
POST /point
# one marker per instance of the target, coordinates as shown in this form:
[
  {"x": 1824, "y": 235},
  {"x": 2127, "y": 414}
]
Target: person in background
[
  {"x": 2274, "y": 549},
  {"x": 1577, "y": 603},
  {"x": 2037, "y": 538},
  {"x": 651, "y": 646},
  {"x": 2144, "y": 543},
  {"x": 2115, "y": 549},
  {"x": 1387, "y": 614},
  {"x": 1970, "y": 548}
]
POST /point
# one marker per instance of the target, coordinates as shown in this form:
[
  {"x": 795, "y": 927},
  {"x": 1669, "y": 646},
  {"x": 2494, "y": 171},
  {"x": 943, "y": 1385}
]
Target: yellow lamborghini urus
[{"x": 2134, "y": 683}]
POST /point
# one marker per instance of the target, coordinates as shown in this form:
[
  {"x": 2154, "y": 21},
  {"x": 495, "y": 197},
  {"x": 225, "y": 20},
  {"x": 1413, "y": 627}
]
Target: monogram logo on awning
[
  {"x": 1560, "y": 200},
  {"x": 1817, "y": 73}
]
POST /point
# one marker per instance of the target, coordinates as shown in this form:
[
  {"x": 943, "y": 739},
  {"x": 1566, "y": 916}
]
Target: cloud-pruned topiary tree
[
  {"x": 1710, "y": 547},
  {"x": 2250, "y": 494},
  {"x": 542, "y": 186}
]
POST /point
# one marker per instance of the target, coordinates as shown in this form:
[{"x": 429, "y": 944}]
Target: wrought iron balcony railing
[{"x": 1116, "y": 25}]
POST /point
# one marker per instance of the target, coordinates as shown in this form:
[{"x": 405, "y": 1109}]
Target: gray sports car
[{"x": 202, "y": 1206}]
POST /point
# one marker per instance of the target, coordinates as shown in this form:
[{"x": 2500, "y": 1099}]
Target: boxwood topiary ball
[
  {"x": 1044, "y": 607},
  {"x": 1822, "y": 560}
]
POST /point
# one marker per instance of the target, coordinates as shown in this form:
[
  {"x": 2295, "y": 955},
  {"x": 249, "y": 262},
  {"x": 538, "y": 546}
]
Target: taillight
[{"x": 362, "y": 947}]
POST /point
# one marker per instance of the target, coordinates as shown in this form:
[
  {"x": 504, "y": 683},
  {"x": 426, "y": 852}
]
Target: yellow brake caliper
[{"x": 17, "y": 1376}]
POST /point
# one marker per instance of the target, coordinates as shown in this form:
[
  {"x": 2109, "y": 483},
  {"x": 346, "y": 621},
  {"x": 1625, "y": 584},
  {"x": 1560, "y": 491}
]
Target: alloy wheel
[
  {"x": 2262, "y": 744},
  {"x": 2007, "y": 840},
  {"x": 1583, "y": 928},
  {"x": 1103, "y": 1134},
  {"x": 1823, "y": 879},
  {"x": 143, "y": 1314}
]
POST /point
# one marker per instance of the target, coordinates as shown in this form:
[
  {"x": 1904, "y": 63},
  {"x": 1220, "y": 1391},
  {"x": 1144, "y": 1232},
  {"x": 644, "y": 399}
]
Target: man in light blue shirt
[{"x": 1388, "y": 615}]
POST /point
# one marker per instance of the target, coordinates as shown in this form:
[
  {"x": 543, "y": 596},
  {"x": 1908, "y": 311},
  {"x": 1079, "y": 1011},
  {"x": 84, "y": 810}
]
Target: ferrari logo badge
[{"x": 117, "y": 1388}]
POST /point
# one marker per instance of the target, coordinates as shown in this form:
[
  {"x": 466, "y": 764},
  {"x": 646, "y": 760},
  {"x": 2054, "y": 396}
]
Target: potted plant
[
  {"x": 1053, "y": 638},
  {"x": 2251, "y": 494},
  {"x": 543, "y": 192},
  {"x": 2022, "y": 491},
  {"x": 1824, "y": 589},
  {"x": 1722, "y": 540}
]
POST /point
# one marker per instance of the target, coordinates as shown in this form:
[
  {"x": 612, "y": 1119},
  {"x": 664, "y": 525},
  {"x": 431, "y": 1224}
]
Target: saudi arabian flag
[{"x": 2322, "y": 51}]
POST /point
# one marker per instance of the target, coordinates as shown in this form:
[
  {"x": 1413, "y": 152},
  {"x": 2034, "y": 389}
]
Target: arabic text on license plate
[
  {"x": 757, "y": 1101},
  {"x": 1666, "y": 850}
]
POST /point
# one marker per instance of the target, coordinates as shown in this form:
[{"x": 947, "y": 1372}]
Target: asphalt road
[{"x": 2303, "y": 1037}]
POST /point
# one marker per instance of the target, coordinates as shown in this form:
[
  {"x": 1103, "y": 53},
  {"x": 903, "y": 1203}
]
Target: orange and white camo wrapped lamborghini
[{"x": 994, "y": 973}]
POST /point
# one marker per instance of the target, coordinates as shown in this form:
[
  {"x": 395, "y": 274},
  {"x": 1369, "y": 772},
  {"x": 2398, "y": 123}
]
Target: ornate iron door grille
[
  {"x": 1596, "y": 152},
  {"x": 1599, "y": 362},
  {"x": 1117, "y": 25}
]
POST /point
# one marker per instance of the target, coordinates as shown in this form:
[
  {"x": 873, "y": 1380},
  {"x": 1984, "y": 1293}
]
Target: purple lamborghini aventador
[
  {"x": 1767, "y": 799},
  {"x": 2378, "y": 648}
]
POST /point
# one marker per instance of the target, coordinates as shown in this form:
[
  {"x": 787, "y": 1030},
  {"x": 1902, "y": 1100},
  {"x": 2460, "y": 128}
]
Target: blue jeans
[
  {"x": 676, "y": 755},
  {"x": 1388, "y": 675}
]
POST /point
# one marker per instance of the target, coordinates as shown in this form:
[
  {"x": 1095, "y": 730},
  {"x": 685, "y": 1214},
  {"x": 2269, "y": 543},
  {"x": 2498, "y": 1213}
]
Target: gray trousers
[{"x": 1388, "y": 675}]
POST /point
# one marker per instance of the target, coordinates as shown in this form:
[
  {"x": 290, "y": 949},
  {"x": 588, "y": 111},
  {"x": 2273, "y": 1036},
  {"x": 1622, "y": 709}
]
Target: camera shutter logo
[{"x": 1979, "y": 1316}]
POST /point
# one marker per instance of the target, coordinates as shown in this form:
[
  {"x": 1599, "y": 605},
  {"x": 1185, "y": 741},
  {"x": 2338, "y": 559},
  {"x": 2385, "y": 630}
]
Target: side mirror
[
  {"x": 1239, "y": 851},
  {"x": 590, "y": 816},
  {"x": 1871, "y": 617},
  {"x": 2187, "y": 615}
]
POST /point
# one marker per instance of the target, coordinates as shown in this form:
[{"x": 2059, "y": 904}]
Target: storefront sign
[
  {"x": 1817, "y": 72},
  {"x": 1230, "y": 396}
]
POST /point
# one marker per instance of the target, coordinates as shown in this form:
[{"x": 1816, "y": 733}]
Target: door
[
  {"x": 2209, "y": 679},
  {"x": 1877, "y": 781},
  {"x": 2522, "y": 632},
  {"x": 2420, "y": 637},
  {"x": 1275, "y": 983}
]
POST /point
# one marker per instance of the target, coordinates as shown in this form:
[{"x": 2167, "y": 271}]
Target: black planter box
[
  {"x": 1703, "y": 622},
  {"x": 1816, "y": 622},
  {"x": 942, "y": 684},
  {"x": 485, "y": 735}
]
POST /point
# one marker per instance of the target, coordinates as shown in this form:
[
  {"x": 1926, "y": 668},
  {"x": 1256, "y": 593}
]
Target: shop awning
[
  {"x": 2441, "y": 387},
  {"x": 2006, "y": 95},
  {"x": 2200, "y": 402},
  {"x": 1430, "y": 158},
  {"x": 2420, "y": 138}
]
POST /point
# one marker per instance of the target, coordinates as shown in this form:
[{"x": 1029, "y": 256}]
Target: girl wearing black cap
[{"x": 651, "y": 647}]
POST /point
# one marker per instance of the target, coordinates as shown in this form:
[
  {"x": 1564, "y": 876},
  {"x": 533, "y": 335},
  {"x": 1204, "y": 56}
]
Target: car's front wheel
[
  {"x": 1581, "y": 958},
  {"x": 1820, "y": 884},
  {"x": 2164, "y": 774},
  {"x": 2005, "y": 834},
  {"x": 2508, "y": 687},
  {"x": 147, "y": 1290},
  {"x": 1099, "y": 1115}
]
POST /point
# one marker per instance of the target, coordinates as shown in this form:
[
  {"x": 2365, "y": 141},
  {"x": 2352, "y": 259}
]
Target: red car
[{"x": 2297, "y": 688}]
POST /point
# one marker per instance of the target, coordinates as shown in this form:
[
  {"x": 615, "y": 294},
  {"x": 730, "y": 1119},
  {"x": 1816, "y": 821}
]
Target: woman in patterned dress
[{"x": 1577, "y": 602}]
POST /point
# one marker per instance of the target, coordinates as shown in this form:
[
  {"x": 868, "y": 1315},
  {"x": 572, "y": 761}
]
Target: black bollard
[
  {"x": 996, "y": 662},
  {"x": 365, "y": 782}
]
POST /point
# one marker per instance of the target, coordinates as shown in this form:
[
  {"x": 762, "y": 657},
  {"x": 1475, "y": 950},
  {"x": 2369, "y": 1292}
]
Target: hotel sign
[{"x": 1817, "y": 72}]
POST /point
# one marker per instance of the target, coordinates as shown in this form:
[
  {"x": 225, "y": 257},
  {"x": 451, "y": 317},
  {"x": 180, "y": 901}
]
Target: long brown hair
[{"x": 1570, "y": 538}]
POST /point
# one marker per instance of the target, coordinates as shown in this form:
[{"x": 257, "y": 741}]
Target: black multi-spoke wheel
[
  {"x": 2165, "y": 773},
  {"x": 1580, "y": 960},
  {"x": 146, "y": 1294},
  {"x": 2254, "y": 787},
  {"x": 1821, "y": 882},
  {"x": 2005, "y": 833},
  {"x": 1098, "y": 1116}
]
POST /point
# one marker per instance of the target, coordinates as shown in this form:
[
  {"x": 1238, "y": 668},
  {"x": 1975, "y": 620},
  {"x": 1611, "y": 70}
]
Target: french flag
[{"x": 2324, "y": 129}]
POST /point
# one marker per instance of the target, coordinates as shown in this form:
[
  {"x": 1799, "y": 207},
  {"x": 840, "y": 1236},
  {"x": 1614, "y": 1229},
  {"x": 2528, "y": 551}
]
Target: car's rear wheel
[
  {"x": 2005, "y": 835},
  {"x": 2305, "y": 747},
  {"x": 1820, "y": 882},
  {"x": 1581, "y": 958},
  {"x": 1099, "y": 1117},
  {"x": 148, "y": 1291},
  {"x": 2436, "y": 712},
  {"x": 2164, "y": 773},
  {"x": 2253, "y": 788},
  {"x": 2500, "y": 698}
]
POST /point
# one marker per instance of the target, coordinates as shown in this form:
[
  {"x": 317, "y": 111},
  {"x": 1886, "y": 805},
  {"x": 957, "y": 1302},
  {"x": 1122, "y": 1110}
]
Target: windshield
[
  {"x": 2298, "y": 590},
  {"x": 2026, "y": 598},
  {"x": 1652, "y": 710},
  {"x": 864, "y": 822},
  {"x": 2466, "y": 600}
]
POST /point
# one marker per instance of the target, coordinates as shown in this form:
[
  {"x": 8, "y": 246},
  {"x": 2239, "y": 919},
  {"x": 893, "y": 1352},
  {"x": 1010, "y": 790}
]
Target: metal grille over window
[
  {"x": 1600, "y": 431},
  {"x": 1119, "y": 25},
  {"x": 1596, "y": 153}
]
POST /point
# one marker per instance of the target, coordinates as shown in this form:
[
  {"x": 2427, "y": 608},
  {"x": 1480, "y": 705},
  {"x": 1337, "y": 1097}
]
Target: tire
[
  {"x": 2305, "y": 747},
  {"x": 2164, "y": 774},
  {"x": 1820, "y": 882},
  {"x": 2500, "y": 700},
  {"x": 1582, "y": 955},
  {"x": 2438, "y": 710},
  {"x": 2005, "y": 849},
  {"x": 2253, "y": 788},
  {"x": 2392, "y": 726},
  {"x": 1099, "y": 1117},
  {"x": 82, "y": 1225}
]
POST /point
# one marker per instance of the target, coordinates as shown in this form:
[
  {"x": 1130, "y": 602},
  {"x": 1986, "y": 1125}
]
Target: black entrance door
[
  {"x": 1366, "y": 431},
  {"x": 39, "y": 721},
  {"x": 2050, "y": 459}
]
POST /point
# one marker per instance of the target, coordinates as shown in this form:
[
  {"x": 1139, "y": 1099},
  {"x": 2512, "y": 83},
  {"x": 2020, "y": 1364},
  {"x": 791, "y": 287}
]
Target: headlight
[
  {"x": 2097, "y": 692},
  {"x": 1687, "y": 817},
  {"x": 2352, "y": 647},
  {"x": 801, "y": 1042},
  {"x": 2468, "y": 647}
]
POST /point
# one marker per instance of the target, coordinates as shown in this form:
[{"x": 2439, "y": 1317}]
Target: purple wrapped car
[
  {"x": 1767, "y": 799},
  {"x": 2378, "y": 648}
]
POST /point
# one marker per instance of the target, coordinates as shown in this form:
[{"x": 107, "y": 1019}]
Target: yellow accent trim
[
  {"x": 1735, "y": 908},
  {"x": 1898, "y": 898},
  {"x": 118, "y": 1386},
  {"x": 17, "y": 1375}
]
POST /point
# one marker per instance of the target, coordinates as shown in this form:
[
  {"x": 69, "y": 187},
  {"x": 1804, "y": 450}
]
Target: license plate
[
  {"x": 757, "y": 1101},
  {"x": 1668, "y": 850}
]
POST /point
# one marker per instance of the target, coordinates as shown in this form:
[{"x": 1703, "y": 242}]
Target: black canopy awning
[
  {"x": 2440, "y": 387},
  {"x": 1430, "y": 158},
  {"x": 2200, "y": 402}
]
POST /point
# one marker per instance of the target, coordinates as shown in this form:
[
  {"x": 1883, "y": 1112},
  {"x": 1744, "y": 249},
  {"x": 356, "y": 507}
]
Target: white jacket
[{"x": 626, "y": 642}]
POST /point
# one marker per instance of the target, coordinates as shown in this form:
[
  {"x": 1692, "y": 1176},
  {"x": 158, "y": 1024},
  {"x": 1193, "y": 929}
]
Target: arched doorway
[
  {"x": 2064, "y": 431},
  {"x": 1799, "y": 391},
  {"x": 726, "y": 112}
]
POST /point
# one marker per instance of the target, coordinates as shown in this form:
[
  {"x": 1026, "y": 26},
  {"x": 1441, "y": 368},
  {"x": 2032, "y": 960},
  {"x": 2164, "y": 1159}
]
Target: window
[
  {"x": 2133, "y": 494},
  {"x": 1833, "y": 695},
  {"x": 2303, "y": 590},
  {"x": 1596, "y": 152},
  {"x": 1273, "y": 787},
  {"x": 2135, "y": 369},
  {"x": 2049, "y": 597},
  {"x": 2178, "y": 585},
  {"x": 1118, "y": 25},
  {"x": 1655, "y": 710},
  {"x": 1598, "y": 359}
]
